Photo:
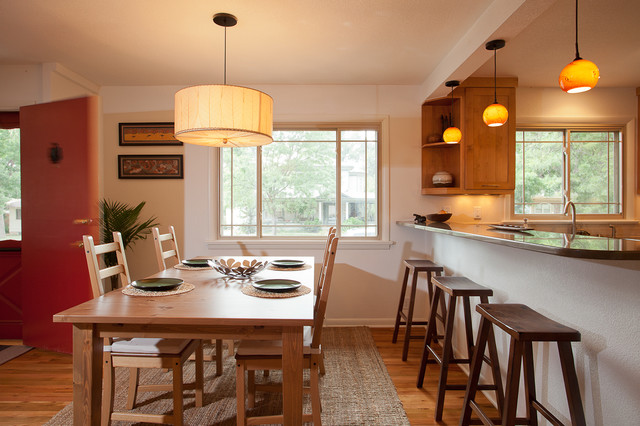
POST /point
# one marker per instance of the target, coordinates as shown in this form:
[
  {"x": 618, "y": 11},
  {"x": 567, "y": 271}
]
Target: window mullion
[
  {"x": 259, "y": 232},
  {"x": 338, "y": 182}
]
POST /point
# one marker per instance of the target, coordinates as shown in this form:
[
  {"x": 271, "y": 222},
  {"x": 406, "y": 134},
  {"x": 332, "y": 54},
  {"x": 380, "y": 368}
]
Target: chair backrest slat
[
  {"x": 161, "y": 253},
  {"x": 97, "y": 274},
  {"x": 325, "y": 256},
  {"x": 323, "y": 297}
]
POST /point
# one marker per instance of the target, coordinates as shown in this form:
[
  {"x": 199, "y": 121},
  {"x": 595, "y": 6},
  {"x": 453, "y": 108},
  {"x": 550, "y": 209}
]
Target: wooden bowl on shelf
[{"x": 439, "y": 217}]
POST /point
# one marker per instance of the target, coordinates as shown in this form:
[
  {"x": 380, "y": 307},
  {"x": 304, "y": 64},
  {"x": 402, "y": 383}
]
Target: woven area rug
[
  {"x": 356, "y": 389},
  {"x": 7, "y": 353}
]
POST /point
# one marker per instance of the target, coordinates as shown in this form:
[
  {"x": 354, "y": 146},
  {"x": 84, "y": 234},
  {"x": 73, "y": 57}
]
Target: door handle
[{"x": 82, "y": 221}]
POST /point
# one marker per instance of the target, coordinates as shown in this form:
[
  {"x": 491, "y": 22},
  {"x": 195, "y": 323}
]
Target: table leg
[
  {"x": 292, "y": 365},
  {"x": 87, "y": 375}
]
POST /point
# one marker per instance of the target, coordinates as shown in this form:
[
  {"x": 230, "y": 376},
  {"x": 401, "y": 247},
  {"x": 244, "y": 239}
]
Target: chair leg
[
  {"x": 109, "y": 390},
  {"x": 321, "y": 364},
  {"x": 529, "y": 384},
  {"x": 218, "y": 357},
  {"x": 446, "y": 356},
  {"x": 251, "y": 388},
  {"x": 513, "y": 383},
  {"x": 431, "y": 332},
  {"x": 178, "y": 409},
  {"x": 199, "y": 375},
  {"x": 571, "y": 384},
  {"x": 134, "y": 376},
  {"x": 403, "y": 292},
  {"x": 230, "y": 347},
  {"x": 314, "y": 380},
  {"x": 474, "y": 371},
  {"x": 412, "y": 300},
  {"x": 241, "y": 415}
]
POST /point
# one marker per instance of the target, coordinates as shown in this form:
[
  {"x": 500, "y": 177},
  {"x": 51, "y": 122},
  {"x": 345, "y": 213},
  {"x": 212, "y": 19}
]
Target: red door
[{"x": 59, "y": 159}]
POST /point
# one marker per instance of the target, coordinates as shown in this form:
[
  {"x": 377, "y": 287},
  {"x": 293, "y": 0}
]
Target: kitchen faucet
[{"x": 573, "y": 215}]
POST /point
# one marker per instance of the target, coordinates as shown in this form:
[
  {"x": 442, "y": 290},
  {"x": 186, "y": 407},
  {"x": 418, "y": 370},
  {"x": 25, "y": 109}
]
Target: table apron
[{"x": 190, "y": 331}]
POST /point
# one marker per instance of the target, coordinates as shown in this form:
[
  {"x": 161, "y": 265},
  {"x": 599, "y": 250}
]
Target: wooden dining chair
[
  {"x": 161, "y": 254},
  {"x": 318, "y": 289},
  {"x": 255, "y": 355},
  {"x": 137, "y": 352},
  {"x": 173, "y": 254}
]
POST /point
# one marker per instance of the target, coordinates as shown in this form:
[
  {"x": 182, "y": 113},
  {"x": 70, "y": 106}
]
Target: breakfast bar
[{"x": 591, "y": 284}]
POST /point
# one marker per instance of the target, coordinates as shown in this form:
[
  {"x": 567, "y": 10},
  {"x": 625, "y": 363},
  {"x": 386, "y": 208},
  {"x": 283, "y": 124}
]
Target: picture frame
[
  {"x": 150, "y": 167},
  {"x": 147, "y": 134}
]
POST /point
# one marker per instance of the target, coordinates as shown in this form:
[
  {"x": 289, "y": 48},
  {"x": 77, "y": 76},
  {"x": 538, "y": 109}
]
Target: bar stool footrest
[{"x": 546, "y": 413}]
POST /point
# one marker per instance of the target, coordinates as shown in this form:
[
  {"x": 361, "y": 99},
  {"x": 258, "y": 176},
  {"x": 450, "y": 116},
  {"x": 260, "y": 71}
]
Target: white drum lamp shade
[{"x": 221, "y": 115}]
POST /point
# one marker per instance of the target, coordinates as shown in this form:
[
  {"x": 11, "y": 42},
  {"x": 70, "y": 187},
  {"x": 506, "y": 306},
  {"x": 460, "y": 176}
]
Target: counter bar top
[{"x": 580, "y": 246}]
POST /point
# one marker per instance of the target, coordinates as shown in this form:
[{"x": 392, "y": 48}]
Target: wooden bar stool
[
  {"x": 525, "y": 326},
  {"x": 464, "y": 288},
  {"x": 413, "y": 266}
]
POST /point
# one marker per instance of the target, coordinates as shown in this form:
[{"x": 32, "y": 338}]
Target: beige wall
[{"x": 164, "y": 197}]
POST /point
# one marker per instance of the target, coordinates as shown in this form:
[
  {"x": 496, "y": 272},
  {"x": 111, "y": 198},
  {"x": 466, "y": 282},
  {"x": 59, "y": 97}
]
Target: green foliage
[
  {"x": 121, "y": 217},
  {"x": 9, "y": 165}
]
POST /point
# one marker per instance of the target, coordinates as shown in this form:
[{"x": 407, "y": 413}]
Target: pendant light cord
[
  {"x": 495, "y": 78},
  {"x": 451, "y": 115},
  {"x": 225, "y": 56},
  {"x": 577, "y": 52}
]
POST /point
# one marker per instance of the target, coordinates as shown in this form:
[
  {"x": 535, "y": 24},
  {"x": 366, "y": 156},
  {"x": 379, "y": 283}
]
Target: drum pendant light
[
  {"x": 222, "y": 115},
  {"x": 580, "y": 75},
  {"x": 495, "y": 114},
  {"x": 452, "y": 134}
]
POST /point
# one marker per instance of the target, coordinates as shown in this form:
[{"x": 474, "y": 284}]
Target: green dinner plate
[
  {"x": 288, "y": 263},
  {"x": 198, "y": 263},
  {"x": 157, "y": 284},
  {"x": 277, "y": 285}
]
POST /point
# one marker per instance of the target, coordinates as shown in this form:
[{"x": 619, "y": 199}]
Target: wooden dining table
[{"x": 215, "y": 308}]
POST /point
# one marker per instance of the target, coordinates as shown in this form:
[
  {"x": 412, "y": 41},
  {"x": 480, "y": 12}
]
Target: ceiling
[{"x": 386, "y": 42}]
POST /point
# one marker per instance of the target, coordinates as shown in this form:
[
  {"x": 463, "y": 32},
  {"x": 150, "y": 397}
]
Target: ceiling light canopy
[
  {"x": 495, "y": 114},
  {"x": 452, "y": 134},
  {"x": 580, "y": 75},
  {"x": 221, "y": 115}
]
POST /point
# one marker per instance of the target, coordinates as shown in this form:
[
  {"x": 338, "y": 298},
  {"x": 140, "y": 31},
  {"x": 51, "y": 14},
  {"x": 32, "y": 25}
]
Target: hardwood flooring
[{"x": 38, "y": 384}]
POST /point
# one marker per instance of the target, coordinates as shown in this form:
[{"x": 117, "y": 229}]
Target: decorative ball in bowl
[
  {"x": 439, "y": 217},
  {"x": 239, "y": 269}
]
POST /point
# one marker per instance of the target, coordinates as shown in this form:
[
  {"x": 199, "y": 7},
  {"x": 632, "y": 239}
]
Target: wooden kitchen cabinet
[{"x": 484, "y": 160}]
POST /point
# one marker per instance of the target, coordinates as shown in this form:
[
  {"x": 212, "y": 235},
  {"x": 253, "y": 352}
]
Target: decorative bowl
[
  {"x": 239, "y": 269},
  {"x": 439, "y": 217},
  {"x": 442, "y": 179}
]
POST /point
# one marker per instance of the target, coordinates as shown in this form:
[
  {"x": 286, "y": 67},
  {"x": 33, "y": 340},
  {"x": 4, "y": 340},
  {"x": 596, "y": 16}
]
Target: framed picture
[
  {"x": 152, "y": 134},
  {"x": 150, "y": 167}
]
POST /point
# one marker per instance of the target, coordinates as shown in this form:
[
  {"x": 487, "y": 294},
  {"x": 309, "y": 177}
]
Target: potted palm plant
[{"x": 121, "y": 217}]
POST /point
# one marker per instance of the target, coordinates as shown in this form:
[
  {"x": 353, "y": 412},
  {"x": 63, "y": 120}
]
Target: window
[
  {"x": 554, "y": 166},
  {"x": 293, "y": 186},
  {"x": 10, "y": 184}
]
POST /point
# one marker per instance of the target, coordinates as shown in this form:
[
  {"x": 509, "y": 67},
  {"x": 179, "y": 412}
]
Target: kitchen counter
[{"x": 579, "y": 246}]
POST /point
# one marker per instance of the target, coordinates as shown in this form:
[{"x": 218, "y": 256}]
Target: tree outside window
[
  {"x": 290, "y": 188},
  {"x": 554, "y": 166}
]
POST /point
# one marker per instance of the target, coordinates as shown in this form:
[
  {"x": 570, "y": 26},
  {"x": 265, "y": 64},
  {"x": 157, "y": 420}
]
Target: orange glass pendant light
[
  {"x": 580, "y": 75},
  {"x": 495, "y": 114},
  {"x": 452, "y": 134}
]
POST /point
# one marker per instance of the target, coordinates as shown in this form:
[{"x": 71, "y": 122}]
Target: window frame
[
  {"x": 382, "y": 196},
  {"x": 566, "y": 167}
]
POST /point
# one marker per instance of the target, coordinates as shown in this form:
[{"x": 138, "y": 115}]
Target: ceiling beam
[{"x": 503, "y": 19}]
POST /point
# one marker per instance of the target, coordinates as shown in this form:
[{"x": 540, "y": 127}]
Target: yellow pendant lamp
[
  {"x": 495, "y": 114},
  {"x": 222, "y": 115},
  {"x": 452, "y": 134},
  {"x": 580, "y": 75}
]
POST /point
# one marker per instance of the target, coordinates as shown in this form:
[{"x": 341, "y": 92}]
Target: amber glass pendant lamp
[
  {"x": 452, "y": 134},
  {"x": 580, "y": 75},
  {"x": 495, "y": 114}
]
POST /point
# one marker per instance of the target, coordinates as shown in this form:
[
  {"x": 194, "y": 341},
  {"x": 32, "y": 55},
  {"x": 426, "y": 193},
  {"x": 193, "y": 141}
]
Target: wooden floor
[{"x": 38, "y": 384}]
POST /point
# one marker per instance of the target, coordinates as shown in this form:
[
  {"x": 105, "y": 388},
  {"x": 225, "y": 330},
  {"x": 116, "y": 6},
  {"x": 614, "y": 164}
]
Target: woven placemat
[
  {"x": 250, "y": 290},
  {"x": 192, "y": 268},
  {"x": 182, "y": 288},
  {"x": 298, "y": 268}
]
